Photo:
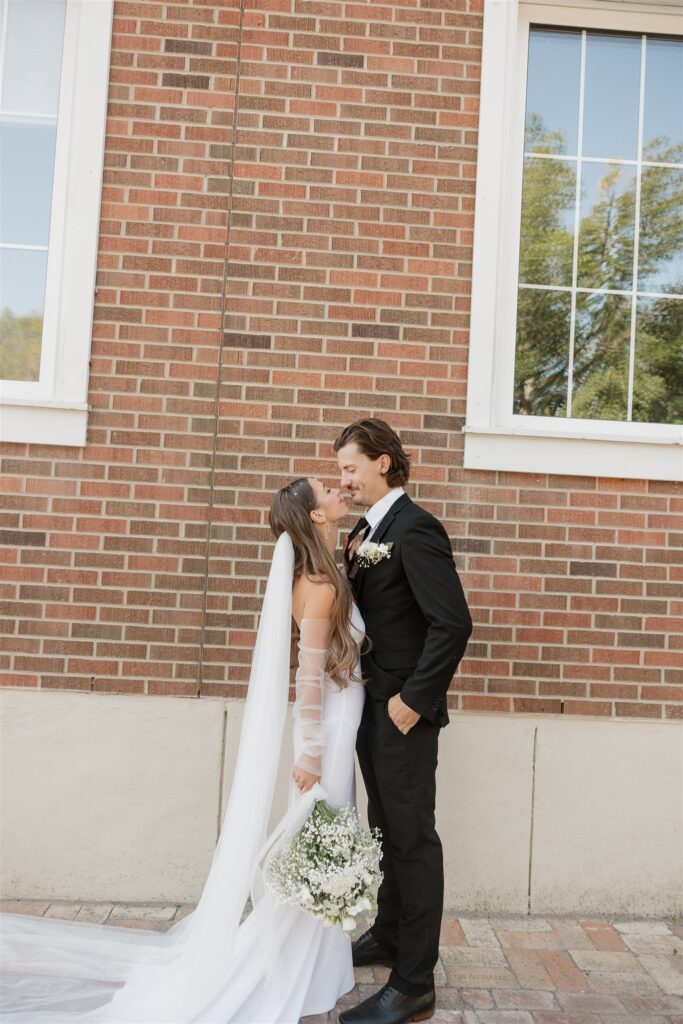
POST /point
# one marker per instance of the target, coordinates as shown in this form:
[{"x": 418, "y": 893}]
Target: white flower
[
  {"x": 329, "y": 868},
  {"x": 370, "y": 554}
]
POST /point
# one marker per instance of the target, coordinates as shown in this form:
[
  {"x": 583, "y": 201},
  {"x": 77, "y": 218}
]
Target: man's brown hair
[{"x": 374, "y": 438}]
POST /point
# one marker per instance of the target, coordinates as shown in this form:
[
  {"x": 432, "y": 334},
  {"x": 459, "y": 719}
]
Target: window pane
[
  {"x": 33, "y": 56},
  {"x": 31, "y": 71},
  {"x": 658, "y": 370},
  {"x": 611, "y": 96},
  {"x": 660, "y": 254},
  {"x": 608, "y": 199},
  {"x": 552, "y": 97},
  {"x": 601, "y": 356},
  {"x": 22, "y": 281},
  {"x": 663, "y": 115},
  {"x": 547, "y": 231},
  {"x": 22, "y": 294},
  {"x": 27, "y": 160},
  {"x": 543, "y": 318}
]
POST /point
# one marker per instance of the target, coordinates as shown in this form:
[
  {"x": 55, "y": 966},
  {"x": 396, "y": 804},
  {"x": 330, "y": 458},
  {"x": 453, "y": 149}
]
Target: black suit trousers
[{"x": 399, "y": 772}]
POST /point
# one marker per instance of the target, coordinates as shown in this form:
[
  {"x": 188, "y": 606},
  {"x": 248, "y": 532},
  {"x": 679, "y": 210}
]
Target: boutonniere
[{"x": 370, "y": 554}]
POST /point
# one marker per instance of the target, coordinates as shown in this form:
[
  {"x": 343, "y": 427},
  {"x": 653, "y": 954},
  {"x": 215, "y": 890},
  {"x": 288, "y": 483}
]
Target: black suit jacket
[{"x": 415, "y": 612}]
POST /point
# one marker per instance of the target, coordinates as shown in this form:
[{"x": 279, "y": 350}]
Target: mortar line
[
  {"x": 531, "y": 825},
  {"x": 216, "y": 407}
]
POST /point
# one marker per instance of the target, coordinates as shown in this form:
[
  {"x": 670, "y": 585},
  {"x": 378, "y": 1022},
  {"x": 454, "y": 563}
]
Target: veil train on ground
[{"x": 68, "y": 972}]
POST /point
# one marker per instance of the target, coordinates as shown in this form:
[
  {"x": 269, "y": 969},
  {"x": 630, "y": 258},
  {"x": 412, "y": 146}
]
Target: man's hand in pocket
[{"x": 403, "y": 717}]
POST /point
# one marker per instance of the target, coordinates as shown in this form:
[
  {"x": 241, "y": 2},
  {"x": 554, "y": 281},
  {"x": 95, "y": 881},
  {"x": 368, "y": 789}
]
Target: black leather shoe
[
  {"x": 389, "y": 1006},
  {"x": 367, "y": 950}
]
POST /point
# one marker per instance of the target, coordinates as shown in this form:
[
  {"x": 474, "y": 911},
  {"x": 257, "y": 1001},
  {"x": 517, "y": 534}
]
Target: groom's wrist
[
  {"x": 428, "y": 711},
  {"x": 409, "y": 705}
]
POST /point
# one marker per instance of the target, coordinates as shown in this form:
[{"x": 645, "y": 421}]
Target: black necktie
[{"x": 362, "y": 524}]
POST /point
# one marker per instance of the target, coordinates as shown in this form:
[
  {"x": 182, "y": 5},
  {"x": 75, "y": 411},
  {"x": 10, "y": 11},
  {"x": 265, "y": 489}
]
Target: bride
[{"x": 279, "y": 963}]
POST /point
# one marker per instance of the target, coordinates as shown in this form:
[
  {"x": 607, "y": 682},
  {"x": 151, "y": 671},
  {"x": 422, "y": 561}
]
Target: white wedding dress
[
  {"x": 278, "y": 963},
  {"x": 313, "y": 966}
]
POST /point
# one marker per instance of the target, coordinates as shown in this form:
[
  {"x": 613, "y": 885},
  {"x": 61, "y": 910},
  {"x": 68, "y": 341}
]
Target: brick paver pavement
[{"x": 500, "y": 970}]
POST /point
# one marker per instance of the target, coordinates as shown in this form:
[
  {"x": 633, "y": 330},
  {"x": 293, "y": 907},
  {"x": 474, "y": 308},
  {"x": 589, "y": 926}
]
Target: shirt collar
[{"x": 378, "y": 511}]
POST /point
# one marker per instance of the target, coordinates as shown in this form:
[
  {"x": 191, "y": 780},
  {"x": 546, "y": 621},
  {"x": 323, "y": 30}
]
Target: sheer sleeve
[{"x": 308, "y": 705}]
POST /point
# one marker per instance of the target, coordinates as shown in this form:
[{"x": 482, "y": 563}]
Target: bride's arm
[{"x": 313, "y": 652}]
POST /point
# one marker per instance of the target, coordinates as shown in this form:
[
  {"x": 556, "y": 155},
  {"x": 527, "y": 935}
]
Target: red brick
[
  {"x": 348, "y": 278},
  {"x": 563, "y": 971},
  {"x": 603, "y": 935}
]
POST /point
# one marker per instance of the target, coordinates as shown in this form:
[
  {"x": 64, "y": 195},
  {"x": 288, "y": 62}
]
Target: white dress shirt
[{"x": 376, "y": 514}]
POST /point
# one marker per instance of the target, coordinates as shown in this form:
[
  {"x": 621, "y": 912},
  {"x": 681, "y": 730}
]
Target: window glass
[
  {"x": 22, "y": 289},
  {"x": 611, "y": 93},
  {"x": 660, "y": 262},
  {"x": 547, "y": 235},
  {"x": 658, "y": 383},
  {"x": 27, "y": 160},
  {"x": 663, "y": 107},
  {"x": 34, "y": 34},
  {"x": 608, "y": 200},
  {"x": 542, "y": 355},
  {"x": 553, "y": 92},
  {"x": 31, "y": 43},
  {"x": 601, "y": 356},
  {"x": 600, "y": 302}
]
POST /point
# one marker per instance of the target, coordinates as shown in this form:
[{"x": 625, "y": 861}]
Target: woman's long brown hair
[{"x": 290, "y": 512}]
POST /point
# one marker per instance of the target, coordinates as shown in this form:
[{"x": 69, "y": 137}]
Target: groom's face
[{"x": 363, "y": 478}]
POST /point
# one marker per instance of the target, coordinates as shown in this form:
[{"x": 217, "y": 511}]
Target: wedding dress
[{"x": 278, "y": 963}]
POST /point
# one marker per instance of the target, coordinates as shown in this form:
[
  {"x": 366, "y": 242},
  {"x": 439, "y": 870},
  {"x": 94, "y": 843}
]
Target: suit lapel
[
  {"x": 382, "y": 528},
  {"x": 385, "y": 523}
]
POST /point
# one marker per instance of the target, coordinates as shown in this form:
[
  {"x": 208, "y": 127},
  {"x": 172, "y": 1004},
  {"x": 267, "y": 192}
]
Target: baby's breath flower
[
  {"x": 370, "y": 554},
  {"x": 329, "y": 868}
]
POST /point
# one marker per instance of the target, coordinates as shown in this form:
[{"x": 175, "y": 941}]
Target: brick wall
[{"x": 305, "y": 173}]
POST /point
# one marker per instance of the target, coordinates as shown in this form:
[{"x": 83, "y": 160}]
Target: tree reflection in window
[{"x": 595, "y": 227}]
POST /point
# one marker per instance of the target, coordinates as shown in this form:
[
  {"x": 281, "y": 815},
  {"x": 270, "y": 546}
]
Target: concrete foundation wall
[{"x": 120, "y": 798}]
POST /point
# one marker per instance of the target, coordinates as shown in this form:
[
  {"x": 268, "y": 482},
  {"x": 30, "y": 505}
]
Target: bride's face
[{"x": 330, "y": 502}]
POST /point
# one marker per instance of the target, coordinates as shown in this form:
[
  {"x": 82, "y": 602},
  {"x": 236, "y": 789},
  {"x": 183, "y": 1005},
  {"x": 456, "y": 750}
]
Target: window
[
  {"x": 53, "y": 89},
  {"x": 578, "y": 365}
]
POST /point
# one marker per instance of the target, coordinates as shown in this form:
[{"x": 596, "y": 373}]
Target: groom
[{"x": 417, "y": 618}]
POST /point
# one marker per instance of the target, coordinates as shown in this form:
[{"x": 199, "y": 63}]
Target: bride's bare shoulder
[{"x": 312, "y": 597}]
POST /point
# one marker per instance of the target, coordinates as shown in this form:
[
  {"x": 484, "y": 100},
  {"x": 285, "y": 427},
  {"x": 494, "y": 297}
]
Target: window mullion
[
  {"x": 577, "y": 224},
  {"x": 636, "y": 232}
]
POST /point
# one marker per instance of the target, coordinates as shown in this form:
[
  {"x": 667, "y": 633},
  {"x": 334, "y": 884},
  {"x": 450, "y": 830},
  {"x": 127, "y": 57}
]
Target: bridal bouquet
[{"x": 329, "y": 868}]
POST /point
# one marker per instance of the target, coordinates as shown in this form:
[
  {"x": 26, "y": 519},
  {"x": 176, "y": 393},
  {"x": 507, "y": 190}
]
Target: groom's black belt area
[
  {"x": 389, "y": 670},
  {"x": 384, "y": 681},
  {"x": 395, "y": 657}
]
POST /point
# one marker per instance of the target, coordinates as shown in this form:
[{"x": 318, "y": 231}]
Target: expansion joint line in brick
[{"x": 219, "y": 376}]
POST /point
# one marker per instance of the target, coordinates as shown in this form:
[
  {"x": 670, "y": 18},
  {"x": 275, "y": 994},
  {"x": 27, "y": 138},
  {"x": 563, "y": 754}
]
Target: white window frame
[
  {"x": 495, "y": 438},
  {"x": 54, "y": 409}
]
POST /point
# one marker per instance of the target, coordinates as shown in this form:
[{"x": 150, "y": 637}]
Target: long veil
[{"x": 68, "y": 972}]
